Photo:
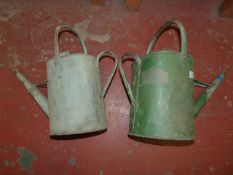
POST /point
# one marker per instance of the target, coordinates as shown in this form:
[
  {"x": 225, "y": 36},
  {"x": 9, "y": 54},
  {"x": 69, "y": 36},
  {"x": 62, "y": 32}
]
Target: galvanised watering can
[
  {"x": 75, "y": 98},
  {"x": 162, "y": 101}
]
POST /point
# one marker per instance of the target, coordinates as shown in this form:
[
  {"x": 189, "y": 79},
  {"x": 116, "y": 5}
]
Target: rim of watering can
[
  {"x": 183, "y": 49},
  {"x": 61, "y": 55},
  {"x": 166, "y": 52},
  {"x": 63, "y": 28}
]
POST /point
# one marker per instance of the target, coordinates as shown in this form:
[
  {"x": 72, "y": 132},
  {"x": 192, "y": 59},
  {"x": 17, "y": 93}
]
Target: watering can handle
[
  {"x": 62, "y": 28},
  {"x": 129, "y": 55},
  {"x": 112, "y": 55},
  {"x": 161, "y": 30}
]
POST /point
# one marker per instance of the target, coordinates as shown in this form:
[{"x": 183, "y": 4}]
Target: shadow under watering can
[
  {"x": 75, "y": 97},
  {"x": 161, "y": 92}
]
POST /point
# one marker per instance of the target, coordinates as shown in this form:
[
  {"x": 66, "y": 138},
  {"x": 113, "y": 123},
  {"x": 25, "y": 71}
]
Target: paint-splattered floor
[{"x": 26, "y": 41}]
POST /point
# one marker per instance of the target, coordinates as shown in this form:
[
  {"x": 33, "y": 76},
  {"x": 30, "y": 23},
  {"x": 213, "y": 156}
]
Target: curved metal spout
[
  {"x": 36, "y": 94},
  {"x": 207, "y": 93}
]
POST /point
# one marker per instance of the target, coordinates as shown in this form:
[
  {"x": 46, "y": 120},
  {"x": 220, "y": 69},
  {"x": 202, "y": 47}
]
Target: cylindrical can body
[
  {"x": 74, "y": 95},
  {"x": 164, "y": 97}
]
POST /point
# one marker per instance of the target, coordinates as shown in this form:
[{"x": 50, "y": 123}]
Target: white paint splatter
[
  {"x": 168, "y": 172},
  {"x": 8, "y": 10},
  {"x": 101, "y": 172},
  {"x": 14, "y": 60},
  {"x": 2, "y": 39},
  {"x": 212, "y": 169},
  {"x": 230, "y": 104},
  {"x": 114, "y": 107},
  {"x": 225, "y": 41},
  {"x": 82, "y": 27},
  {"x": 99, "y": 38},
  {"x": 130, "y": 152}
]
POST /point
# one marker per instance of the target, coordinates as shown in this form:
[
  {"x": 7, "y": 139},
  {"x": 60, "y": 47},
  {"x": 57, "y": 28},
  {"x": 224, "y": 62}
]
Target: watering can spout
[
  {"x": 201, "y": 101},
  {"x": 36, "y": 94}
]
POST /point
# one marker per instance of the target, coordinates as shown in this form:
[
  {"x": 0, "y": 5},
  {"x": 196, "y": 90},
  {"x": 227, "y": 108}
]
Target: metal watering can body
[
  {"x": 161, "y": 92},
  {"x": 75, "y": 97}
]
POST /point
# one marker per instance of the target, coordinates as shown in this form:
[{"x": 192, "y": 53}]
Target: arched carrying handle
[
  {"x": 62, "y": 28},
  {"x": 112, "y": 55},
  {"x": 128, "y": 55},
  {"x": 181, "y": 28}
]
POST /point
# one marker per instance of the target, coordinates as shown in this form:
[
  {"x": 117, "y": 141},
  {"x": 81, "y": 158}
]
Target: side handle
[
  {"x": 114, "y": 57},
  {"x": 127, "y": 56},
  {"x": 181, "y": 28},
  {"x": 68, "y": 28}
]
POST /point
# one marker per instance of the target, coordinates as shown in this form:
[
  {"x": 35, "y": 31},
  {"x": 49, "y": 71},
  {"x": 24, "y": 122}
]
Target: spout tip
[{"x": 221, "y": 76}]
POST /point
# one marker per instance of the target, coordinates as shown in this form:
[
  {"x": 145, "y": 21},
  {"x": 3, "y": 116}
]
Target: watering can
[
  {"x": 161, "y": 91},
  {"x": 75, "y": 97}
]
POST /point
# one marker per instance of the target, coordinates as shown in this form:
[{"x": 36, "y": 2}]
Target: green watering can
[{"x": 161, "y": 92}]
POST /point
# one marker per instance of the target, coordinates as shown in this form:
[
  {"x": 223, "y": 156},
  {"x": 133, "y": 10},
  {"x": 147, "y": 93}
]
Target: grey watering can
[
  {"x": 161, "y": 93},
  {"x": 75, "y": 97}
]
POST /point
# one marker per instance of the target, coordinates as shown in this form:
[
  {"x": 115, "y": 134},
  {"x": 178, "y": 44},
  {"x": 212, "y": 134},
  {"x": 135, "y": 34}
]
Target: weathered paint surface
[
  {"x": 27, "y": 38},
  {"x": 162, "y": 103}
]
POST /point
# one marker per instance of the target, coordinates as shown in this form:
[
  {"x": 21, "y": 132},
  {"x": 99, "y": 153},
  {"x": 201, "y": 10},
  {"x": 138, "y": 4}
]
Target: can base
[
  {"x": 65, "y": 133},
  {"x": 162, "y": 138}
]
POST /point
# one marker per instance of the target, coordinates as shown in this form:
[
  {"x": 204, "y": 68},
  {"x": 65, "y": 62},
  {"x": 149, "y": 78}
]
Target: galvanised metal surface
[
  {"x": 75, "y": 97},
  {"x": 162, "y": 99}
]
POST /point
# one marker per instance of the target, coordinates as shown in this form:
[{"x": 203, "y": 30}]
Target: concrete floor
[{"x": 26, "y": 41}]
